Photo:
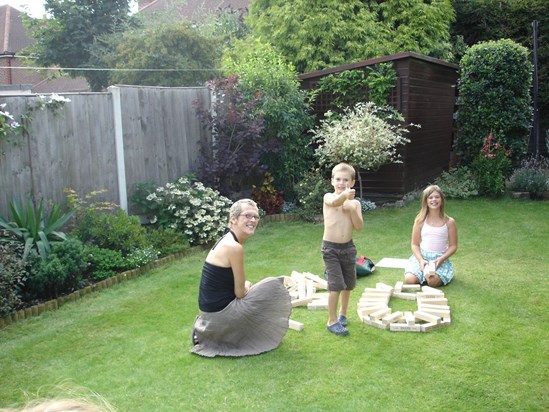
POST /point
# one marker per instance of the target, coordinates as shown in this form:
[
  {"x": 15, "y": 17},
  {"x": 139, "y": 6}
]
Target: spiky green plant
[{"x": 34, "y": 226}]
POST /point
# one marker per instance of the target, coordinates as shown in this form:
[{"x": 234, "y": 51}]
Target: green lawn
[{"x": 131, "y": 343}]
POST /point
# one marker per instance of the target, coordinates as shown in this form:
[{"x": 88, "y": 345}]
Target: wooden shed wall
[{"x": 425, "y": 95}]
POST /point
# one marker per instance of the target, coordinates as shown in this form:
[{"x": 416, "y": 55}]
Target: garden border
[{"x": 54, "y": 304}]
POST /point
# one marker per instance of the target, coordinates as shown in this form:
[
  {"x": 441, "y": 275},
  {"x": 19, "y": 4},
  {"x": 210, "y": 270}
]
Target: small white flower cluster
[
  {"x": 198, "y": 211},
  {"x": 7, "y": 122},
  {"x": 360, "y": 137},
  {"x": 54, "y": 102}
]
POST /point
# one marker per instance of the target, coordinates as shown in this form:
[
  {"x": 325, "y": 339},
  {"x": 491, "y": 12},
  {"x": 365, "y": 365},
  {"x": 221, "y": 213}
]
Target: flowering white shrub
[
  {"x": 362, "y": 137},
  {"x": 366, "y": 136},
  {"x": 200, "y": 212}
]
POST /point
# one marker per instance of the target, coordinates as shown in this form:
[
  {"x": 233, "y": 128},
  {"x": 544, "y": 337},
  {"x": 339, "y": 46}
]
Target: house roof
[
  {"x": 13, "y": 36},
  {"x": 192, "y": 9}
]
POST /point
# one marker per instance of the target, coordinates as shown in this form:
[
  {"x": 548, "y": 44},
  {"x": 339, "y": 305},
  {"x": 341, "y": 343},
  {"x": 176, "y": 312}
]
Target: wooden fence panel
[{"x": 75, "y": 146}]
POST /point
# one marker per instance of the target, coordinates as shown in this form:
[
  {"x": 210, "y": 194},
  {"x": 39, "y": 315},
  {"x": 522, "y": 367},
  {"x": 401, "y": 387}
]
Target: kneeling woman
[{"x": 236, "y": 318}]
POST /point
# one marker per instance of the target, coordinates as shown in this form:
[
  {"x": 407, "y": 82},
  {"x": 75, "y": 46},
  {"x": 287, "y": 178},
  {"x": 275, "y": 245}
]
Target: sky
[{"x": 35, "y": 7}]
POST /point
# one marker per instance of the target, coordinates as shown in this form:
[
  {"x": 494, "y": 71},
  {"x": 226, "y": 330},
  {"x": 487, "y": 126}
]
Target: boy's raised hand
[{"x": 349, "y": 192}]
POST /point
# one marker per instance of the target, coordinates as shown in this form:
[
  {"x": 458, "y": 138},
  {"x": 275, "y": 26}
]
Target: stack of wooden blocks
[
  {"x": 303, "y": 289},
  {"x": 432, "y": 311}
]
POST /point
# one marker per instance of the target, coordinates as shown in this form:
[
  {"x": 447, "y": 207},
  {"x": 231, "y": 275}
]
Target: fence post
[{"x": 119, "y": 142}]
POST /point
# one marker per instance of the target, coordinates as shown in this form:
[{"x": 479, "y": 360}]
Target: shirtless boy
[{"x": 342, "y": 214}]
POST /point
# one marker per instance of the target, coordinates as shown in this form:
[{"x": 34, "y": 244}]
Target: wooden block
[
  {"x": 428, "y": 295},
  {"x": 440, "y": 313},
  {"x": 376, "y": 323},
  {"x": 375, "y": 295},
  {"x": 427, "y": 317},
  {"x": 411, "y": 286},
  {"x": 429, "y": 289},
  {"x": 318, "y": 304},
  {"x": 404, "y": 295},
  {"x": 429, "y": 269},
  {"x": 380, "y": 313},
  {"x": 320, "y": 295},
  {"x": 318, "y": 281},
  {"x": 294, "y": 325},
  {"x": 293, "y": 294},
  {"x": 434, "y": 301},
  {"x": 410, "y": 318},
  {"x": 398, "y": 286},
  {"x": 365, "y": 311},
  {"x": 426, "y": 327},
  {"x": 382, "y": 300},
  {"x": 422, "y": 304},
  {"x": 289, "y": 283},
  {"x": 377, "y": 291},
  {"x": 384, "y": 286},
  {"x": 393, "y": 317},
  {"x": 309, "y": 287},
  {"x": 301, "y": 302},
  {"x": 404, "y": 327}
]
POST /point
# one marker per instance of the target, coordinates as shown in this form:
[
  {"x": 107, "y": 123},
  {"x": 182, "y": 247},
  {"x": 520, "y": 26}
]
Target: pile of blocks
[
  {"x": 432, "y": 311},
  {"x": 303, "y": 289}
]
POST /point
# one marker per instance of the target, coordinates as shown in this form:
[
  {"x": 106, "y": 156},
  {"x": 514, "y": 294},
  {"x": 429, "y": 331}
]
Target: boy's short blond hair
[{"x": 344, "y": 167}]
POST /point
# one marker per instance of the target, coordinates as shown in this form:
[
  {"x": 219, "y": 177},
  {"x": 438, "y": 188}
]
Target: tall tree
[
  {"x": 67, "y": 37},
  {"x": 171, "y": 55},
  {"x": 318, "y": 34}
]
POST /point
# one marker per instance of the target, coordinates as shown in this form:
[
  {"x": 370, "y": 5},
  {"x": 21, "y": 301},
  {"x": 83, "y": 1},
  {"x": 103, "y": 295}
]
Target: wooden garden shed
[{"x": 425, "y": 94}]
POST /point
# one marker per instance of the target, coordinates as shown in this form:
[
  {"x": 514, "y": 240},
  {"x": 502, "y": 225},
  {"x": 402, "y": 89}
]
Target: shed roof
[{"x": 376, "y": 60}]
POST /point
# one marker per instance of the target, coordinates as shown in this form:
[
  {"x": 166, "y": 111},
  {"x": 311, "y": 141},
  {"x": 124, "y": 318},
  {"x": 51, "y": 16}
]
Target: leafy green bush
[
  {"x": 115, "y": 231},
  {"x": 532, "y": 176},
  {"x": 458, "y": 183},
  {"x": 188, "y": 206},
  {"x": 104, "y": 263},
  {"x": 494, "y": 94},
  {"x": 13, "y": 274},
  {"x": 34, "y": 227},
  {"x": 167, "y": 241},
  {"x": 265, "y": 76},
  {"x": 61, "y": 271},
  {"x": 491, "y": 166},
  {"x": 310, "y": 191}
]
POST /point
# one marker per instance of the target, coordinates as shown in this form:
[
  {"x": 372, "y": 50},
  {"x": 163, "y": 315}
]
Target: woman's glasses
[{"x": 249, "y": 216}]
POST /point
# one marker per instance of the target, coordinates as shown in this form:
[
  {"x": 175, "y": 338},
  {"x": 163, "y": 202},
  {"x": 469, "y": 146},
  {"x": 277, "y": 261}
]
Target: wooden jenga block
[
  {"x": 429, "y": 289},
  {"x": 289, "y": 283},
  {"x": 427, "y": 317},
  {"x": 309, "y": 287},
  {"x": 411, "y": 286},
  {"x": 375, "y": 323},
  {"x": 320, "y": 295},
  {"x": 410, "y": 318},
  {"x": 428, "y": 295},
  {"x": 375, "y": 296},
  {"x": 318, "y": 304},
  {"x": 426, "y": 327},
  {"x": 393, "y": 317},
  {"x": 429, "y": 269},
  {"x": 440, "y": 313},
  {"x": 292, "y": 324},
  {"x": 434, "y": 301},
  {"x": 369, "y": 309},
  {"x": 301, "y": 302},
  {"x": 318, "y": 281},
  {"x": 405, "y": 295},
  {"x": 422, "y": 304},
  {"x": 398, "y": 286},
  {"x": 384, "y": 286},
  {"x": 380, "y": 299},
  {"x": 293, "y": 294},
  {"x": 380, "y": 313},
  {"x": 376, "y": 291},
  {"x": 404, "y": 327}
]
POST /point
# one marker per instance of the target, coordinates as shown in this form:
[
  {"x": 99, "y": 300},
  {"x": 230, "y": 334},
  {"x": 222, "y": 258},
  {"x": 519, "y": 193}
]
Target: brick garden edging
[{"x": 54, "y": 304}]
